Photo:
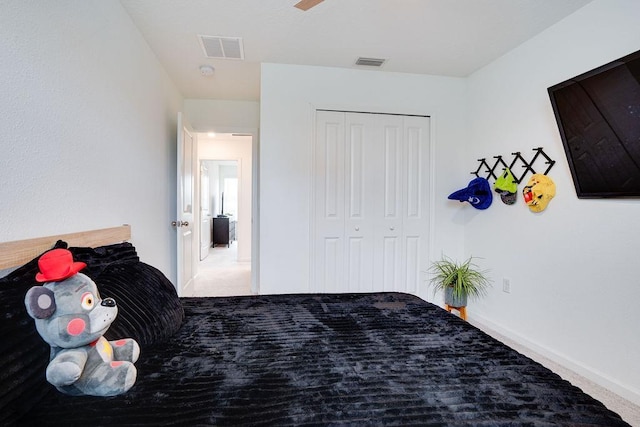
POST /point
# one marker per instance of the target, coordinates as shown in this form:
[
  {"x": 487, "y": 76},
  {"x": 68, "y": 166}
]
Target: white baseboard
[
  {"x": 595, "y": 376},
  {"x": 188, "y": 290}
]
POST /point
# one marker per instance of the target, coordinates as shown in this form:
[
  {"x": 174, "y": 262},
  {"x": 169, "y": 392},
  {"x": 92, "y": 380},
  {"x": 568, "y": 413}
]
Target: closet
[{"x": 370, "y": 215}]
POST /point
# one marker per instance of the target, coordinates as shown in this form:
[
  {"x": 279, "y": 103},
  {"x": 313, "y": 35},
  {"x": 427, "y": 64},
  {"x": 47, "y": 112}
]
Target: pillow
[
  {"x": 97, "y": 259},
  {"x": 25, "y": 355},
  {"x": 149, "y": 309}
]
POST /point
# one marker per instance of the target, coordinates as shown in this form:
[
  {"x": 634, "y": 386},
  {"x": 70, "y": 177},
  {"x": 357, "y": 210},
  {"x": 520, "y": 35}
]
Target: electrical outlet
[{"x": 506, "y": 286}]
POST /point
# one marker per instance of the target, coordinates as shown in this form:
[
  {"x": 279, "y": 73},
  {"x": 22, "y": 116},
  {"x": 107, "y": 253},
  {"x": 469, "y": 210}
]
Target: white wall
[
  {"x": 289, "y": 94},
  {"x": 239, "y": 149},
  {"x": 213, "y": 115},
  {"x": 88, "y": 126},
  {"x": 573, "y": 268}
]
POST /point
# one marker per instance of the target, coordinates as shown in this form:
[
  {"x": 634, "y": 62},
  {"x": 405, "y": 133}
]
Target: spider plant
[{"x": 458, "y": 280}]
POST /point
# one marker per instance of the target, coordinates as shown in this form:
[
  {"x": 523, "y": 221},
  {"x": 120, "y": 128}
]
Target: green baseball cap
[{"x": 507, "y": 187}]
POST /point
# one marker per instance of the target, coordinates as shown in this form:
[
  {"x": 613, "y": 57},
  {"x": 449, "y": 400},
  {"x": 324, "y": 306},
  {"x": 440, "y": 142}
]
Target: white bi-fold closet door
[{"x": 370, "y": 202}]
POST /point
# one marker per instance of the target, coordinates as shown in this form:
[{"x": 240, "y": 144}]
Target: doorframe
[{"x": 255, "y": 199}]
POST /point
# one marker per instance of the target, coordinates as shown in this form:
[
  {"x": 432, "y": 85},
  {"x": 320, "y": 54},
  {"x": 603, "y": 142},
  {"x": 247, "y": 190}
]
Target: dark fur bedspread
[{"x": 374, "y": 359}]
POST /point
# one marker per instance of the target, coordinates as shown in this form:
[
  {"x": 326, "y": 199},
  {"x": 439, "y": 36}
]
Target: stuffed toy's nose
[{"x": 108, "y": 302}]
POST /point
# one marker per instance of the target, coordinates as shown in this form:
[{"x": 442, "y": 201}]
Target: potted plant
[{"x": 458, "y": 281}]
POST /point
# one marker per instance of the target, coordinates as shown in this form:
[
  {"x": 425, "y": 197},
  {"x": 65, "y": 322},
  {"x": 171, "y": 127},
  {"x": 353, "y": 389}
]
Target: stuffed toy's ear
[{"x": 40, "y": 302}]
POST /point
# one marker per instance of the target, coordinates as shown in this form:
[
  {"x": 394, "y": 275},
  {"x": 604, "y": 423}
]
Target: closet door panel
[
  {"x": 332, "y": 272},
  {"x": 390, "y": 274},
  {"x": 415, "y": 191},
  {"x": 392, "y": 157},
  {"x": 355, "y": 171},
  {"x": 388, "y": 222},
  {"x": 360, "y": 209},
  {"x": 412, "y": 264},
  {"x": 355, "y": 259},
  {"x": 328, "y": 222},
  {"x": 416, "y": 206}
]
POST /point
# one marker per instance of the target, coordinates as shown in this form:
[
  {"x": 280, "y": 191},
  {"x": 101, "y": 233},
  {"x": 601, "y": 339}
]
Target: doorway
[{"x": 226, "y": 193}]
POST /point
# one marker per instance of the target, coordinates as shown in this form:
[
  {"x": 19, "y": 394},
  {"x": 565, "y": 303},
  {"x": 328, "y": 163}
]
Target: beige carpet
[
  {"x": 623, "y": 407},
  {"x": 221, "y": 274}
]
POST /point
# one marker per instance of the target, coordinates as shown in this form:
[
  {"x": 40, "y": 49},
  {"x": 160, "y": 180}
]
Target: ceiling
[{"x": 439, "y": 37}]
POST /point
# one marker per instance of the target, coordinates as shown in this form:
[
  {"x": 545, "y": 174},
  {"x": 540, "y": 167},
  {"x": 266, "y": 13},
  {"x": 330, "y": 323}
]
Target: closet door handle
[{"x": 357, "y": 228}]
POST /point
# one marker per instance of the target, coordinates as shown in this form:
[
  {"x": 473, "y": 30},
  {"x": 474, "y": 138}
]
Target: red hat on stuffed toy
[{"x": 57, "y": 265}]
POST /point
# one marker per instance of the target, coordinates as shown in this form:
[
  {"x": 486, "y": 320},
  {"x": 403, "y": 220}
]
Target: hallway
[{"x": 220, "y": 274}]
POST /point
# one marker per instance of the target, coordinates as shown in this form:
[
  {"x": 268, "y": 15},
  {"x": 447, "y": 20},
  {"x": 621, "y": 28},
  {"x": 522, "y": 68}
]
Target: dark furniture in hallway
[{"x": 224, "y": 230}]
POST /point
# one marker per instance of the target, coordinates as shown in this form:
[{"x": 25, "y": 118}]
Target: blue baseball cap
[{"x": 478, "y": 193}]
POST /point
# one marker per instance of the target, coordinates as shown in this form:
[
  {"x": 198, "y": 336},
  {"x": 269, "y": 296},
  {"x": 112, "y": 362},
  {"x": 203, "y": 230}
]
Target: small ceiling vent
[
  {"x": 222, "y": 47},
  {"x": 370, "y": 62}
]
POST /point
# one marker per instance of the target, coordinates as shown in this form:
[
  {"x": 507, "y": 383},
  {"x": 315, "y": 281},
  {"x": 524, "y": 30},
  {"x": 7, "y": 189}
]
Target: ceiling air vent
[
  {"x": 222, "y": 47},
  {"x": 370, "y": 62}
]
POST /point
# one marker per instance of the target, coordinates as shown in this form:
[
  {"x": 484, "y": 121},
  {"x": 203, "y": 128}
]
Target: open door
[{"x": 184, "y": 222}]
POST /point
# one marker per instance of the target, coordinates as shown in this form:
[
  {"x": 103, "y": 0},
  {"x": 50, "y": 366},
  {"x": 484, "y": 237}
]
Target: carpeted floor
[
  {"x": 629, "y": 411},
  {"x": 221, "y": 274}
]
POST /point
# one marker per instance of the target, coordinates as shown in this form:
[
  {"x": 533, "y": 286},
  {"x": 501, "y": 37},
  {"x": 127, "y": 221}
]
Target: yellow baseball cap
[{"x": 538, "y": 192}]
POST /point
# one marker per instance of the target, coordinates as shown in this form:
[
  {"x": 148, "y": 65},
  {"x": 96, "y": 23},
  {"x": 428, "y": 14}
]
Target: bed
[{"x": 303, "y": 359}]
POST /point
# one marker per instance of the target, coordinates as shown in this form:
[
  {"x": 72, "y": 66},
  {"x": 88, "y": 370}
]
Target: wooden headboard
[{"x": 18, "y": 252}]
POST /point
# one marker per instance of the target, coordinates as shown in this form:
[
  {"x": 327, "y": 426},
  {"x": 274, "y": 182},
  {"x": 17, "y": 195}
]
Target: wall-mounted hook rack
[{"x": 518, "y": 160}]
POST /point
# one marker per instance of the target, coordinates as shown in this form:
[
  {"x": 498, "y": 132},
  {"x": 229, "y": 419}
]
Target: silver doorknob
[
  {"x": 392, "y": 228},
  {"x": 357, "y": 228}
]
